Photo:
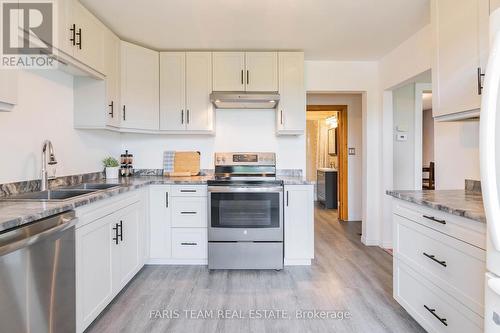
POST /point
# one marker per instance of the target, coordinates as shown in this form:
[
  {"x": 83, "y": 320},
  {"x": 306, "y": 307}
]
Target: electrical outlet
[{"x": 402, "y": 137}]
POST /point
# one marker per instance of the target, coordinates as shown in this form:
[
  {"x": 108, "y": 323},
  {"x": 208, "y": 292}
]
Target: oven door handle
[{"x": 245, "y": 189}]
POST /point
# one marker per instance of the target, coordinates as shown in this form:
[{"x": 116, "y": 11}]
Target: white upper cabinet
[
  {"x": 139, "y": 87},
  {"x": 172, "y": 90},
  {"x": 185, "y": 85},
  {"x": 229, "y": 71},
  {"x": 64, "y": 28},
  {"x": 89, "y": 38},
  {"x": 198, "y": 88},
  {"x": 245, "y": 71},
  {"x": 112, "y": 73},
  {"x": 291, "y": 111},
  {"x": 261, "y": 71},
  {"x": 461, "y": 47}
]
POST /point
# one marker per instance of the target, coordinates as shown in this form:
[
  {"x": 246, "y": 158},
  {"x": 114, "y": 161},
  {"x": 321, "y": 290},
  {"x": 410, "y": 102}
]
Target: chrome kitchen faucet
[{"x": 52, "y": 161}]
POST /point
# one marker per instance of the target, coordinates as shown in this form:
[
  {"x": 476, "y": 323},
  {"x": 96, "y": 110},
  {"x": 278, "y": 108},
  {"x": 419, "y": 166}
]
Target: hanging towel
[{"x": 168, "y": 161}]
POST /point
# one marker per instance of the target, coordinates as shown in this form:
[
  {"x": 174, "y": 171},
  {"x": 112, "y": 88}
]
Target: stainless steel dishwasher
[{"x": 37, "y": 276}]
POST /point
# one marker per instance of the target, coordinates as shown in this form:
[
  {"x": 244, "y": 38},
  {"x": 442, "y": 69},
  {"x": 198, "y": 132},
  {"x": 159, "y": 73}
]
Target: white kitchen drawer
[
  {"x": 189, "y": 190},
  {"x": 443, "y": 260},
  {"x": 189, "y": 243},
  {"x": 466, "y": 230},
  {"x": 415, "y": 293},
  {"x": 189, "y": 212}
]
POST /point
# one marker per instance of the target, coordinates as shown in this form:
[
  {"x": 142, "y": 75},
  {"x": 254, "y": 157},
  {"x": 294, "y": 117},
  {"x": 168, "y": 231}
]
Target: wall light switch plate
[
  {"x": 401, "y": 137},
  {"x": 352, "y": 151}
]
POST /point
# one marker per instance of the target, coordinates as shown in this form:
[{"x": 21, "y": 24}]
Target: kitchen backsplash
[{"x": 473, "y": 185}]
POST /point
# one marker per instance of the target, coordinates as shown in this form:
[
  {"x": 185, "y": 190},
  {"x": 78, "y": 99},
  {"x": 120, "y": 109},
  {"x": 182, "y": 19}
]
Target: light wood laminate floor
[{"x": 345, "y": 276}]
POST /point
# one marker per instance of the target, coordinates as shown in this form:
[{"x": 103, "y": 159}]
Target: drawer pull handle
[
  {"x": 432, "y": 218},
  {"x": 188, "y": 191},
  {"x": 433, "y": 312},
  {"x": 191, "y": 244},
  {"x": 433, "y": 258},
  {"x": 188, "y": 212}
]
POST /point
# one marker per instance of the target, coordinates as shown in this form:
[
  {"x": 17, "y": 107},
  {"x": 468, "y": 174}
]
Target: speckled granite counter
[
  {"x": 462, "y": 203},
  {"x": 14, "y": 214}
]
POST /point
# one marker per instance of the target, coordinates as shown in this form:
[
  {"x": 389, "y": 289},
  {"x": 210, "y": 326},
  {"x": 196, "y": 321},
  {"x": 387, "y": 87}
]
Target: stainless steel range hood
[{"x": 244, "y": 100}]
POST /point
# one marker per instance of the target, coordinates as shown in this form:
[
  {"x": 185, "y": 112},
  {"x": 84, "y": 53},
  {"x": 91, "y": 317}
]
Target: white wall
[
  {"x": 410, "y": 59},
  {"x": 427, "y": 137},
  {"x": 404, "y": 151},
  {"x": 236, "y": 130},
  {"x": 360, "y": 77},
  {"x": 45, "y": 111},
  {"x": 456, "y": 151},
  {"x": 354, "y": 140}
]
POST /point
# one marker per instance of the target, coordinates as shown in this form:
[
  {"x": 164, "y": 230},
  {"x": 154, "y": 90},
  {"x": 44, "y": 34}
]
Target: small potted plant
[{"x": 111, "y": 166}]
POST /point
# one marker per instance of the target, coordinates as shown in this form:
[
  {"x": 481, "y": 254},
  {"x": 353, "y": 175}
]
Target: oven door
[{"x": 245, "y": 214}]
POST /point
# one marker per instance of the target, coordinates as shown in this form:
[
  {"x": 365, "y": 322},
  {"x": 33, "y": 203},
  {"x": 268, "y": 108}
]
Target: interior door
[
  {"x": 139, "y": 87},
  {"x": 229, "y": 71},
  {"x": 261, "y": 71},
  {"x": 198, "y": 88},
  {"x": 172, "y": 91}
]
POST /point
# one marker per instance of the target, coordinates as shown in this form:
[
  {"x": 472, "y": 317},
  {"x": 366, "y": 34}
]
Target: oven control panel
[{"x": 222, "y": 159}]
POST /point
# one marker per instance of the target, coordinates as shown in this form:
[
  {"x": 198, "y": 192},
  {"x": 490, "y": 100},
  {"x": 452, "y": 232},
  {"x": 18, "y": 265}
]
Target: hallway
[{"x": 346, "y": 277}]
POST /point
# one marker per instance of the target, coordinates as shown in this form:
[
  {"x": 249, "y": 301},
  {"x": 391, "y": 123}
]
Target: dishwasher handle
[{"x": 16, "y": 239}]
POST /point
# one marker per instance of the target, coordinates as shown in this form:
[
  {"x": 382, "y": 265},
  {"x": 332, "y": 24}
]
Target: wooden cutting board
[{"x": 186, "y": 163}]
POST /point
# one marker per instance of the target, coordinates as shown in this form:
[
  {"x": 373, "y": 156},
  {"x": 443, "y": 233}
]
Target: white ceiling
[{"x": 324, "y": 29}]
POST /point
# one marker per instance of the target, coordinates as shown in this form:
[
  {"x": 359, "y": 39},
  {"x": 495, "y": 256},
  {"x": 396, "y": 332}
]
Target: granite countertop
[
  {"x": 468, "y": 204},
  {"x": 13, "y": 214}
]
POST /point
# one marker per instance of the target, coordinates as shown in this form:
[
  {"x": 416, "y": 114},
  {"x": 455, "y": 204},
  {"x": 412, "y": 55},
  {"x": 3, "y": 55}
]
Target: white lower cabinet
[
  {"x": 109, "y": 252},
  {"x": 178, "y": 224},
  {"x": 299, "y": 224},
  {"x": 439, "y": 267},
  {"x": 189, "y": 243},
  {"x": 189, "y": 212}
]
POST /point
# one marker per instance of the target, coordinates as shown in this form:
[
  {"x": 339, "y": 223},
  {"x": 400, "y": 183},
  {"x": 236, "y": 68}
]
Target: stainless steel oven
[{"x": 245, "y": 213}]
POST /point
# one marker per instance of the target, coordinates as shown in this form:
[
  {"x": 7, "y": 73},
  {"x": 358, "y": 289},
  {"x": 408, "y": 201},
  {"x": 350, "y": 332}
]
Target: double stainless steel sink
[{"x": 61, "y": 194}]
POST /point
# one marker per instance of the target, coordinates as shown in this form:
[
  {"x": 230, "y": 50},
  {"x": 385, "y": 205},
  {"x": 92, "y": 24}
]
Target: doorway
[
  {"x": 326, "y": 151},
  {"x": 428, "y": 162}
]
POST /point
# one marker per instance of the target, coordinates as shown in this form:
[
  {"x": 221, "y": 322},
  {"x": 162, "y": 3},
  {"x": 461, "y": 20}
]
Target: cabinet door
[
  {"x": 112, "y": 72},
  {"x": 198, "y": 88},
  {"x": 229, "y": 71},
  {"x": 94, "y": 259},
  {"x": 8, "y": 89},
  {"x": 89, "y": 38},
  {"x": 63, "y": 34},
  {"x": 291, "y": 111},
  {"x": 261, "y": 71},
  {"x": 139, "y": 87},
  {"x": 459, "y": 48},
  {"x": 160, "y": 221},
  {"x": 299, "y": 222},
  {"x": 172, "y": 91},
  {"x": 130, "y": 260}
]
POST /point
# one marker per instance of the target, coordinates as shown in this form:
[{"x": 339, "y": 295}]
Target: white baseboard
[
  {"x": 369, "y": 242},
  {"x": 297, "y": 262},
  {"x": 177, "y": 262},
  {"x": 387, "y": 245}
]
